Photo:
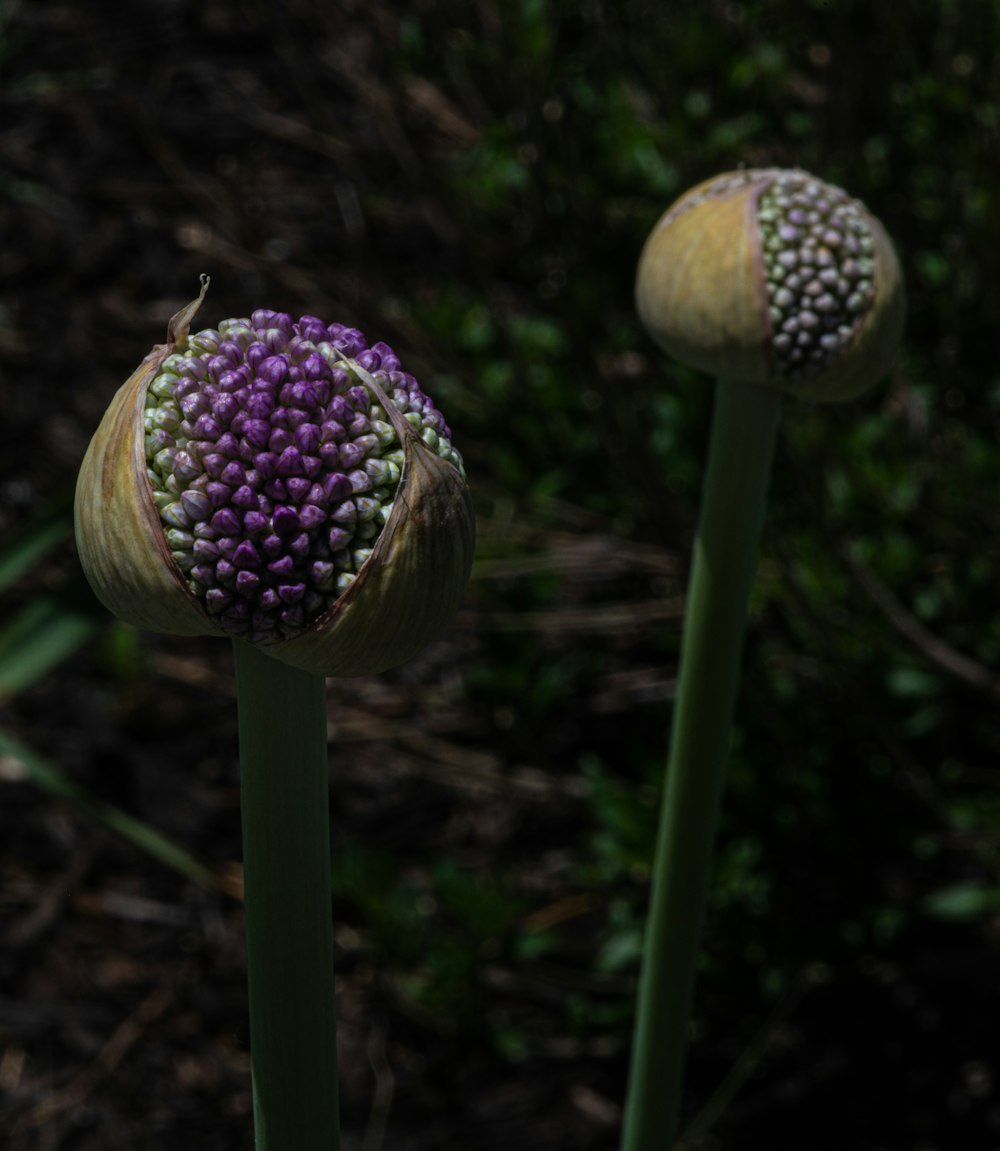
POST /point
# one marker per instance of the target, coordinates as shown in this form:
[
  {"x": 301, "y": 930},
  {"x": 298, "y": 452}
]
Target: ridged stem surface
[
  {"x": 289, "y": 931},
  {"x": 744, "y": 428}
]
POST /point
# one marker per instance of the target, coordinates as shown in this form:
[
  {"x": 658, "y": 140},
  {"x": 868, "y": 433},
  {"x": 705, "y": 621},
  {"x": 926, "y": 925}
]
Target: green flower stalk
[
  {"x": 280, "y": 483},
  {"x": 776, "y": 283}
]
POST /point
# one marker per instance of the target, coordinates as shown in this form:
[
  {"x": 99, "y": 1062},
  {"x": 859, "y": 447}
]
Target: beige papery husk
[
  {"x": 404, "y": 594},
  {"x": 701, "y": 294}
]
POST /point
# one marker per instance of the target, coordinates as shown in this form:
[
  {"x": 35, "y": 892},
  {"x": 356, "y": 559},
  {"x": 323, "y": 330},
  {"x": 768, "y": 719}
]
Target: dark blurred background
[{"x": 472, "y": 182}]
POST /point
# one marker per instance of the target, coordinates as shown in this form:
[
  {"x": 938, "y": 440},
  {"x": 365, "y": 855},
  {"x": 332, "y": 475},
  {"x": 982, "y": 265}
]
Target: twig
[
  {"x": 121, "y": 1042},
  {"x": 934, "y": 649},
  {"x": 744, "y": 1067},
  {"x": 385, "y": 1085}
]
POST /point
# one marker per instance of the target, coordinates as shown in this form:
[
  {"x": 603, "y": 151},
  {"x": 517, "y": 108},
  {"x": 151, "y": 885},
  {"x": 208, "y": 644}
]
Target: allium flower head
[
  {"x": 278, "y": 457},
  {"x": 772, "y": 276}
]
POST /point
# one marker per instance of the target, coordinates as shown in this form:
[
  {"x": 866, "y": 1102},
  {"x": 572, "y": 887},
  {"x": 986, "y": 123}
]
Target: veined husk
[
  {"x": 403, "y": 596},
  {"x": 701, "y": 293}
]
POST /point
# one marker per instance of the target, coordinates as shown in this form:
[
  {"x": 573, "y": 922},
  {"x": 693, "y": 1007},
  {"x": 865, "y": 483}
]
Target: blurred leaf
[
  {"x": 22, "y": 762},
  {"x": 37, "y": 639},
  {"x": 622, "y": 951},
  {"x": 913, "y": 683},
  {"x": 34, "y": 543},
  {"x": 963, "y": 901},
  {"x": 482, "y": 906}
]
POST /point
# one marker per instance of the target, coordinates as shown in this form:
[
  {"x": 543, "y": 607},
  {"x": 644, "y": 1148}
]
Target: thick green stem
[
  {"x": 744, "y": 427},
  {"x": 286, "y": 867}
]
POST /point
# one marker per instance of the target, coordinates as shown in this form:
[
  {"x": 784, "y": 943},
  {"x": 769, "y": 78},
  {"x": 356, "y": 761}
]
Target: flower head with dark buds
[
  {"x": 282, "y": 482},
  {"x": 773, "y": 277}
]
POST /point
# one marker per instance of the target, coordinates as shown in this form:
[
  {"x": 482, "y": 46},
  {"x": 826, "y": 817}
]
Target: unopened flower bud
[
  {"x": 772, "y": 277},
  {"x": 236, "y": 487}
]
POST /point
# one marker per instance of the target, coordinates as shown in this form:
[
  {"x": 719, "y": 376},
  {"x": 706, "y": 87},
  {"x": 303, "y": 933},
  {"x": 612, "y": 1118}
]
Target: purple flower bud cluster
[
  {"x": 274, "y": 467},
  {"x": 820, "y": 269}
]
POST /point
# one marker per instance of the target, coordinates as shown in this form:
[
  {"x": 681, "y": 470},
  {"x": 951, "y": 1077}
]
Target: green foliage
[
  {"x": 625, "y": 819},
  {"x": 41, "y": 636},
  {"x": 963, "y": 902},
  {"x": 430, "y": 927},
  {"x": 50, "y": 625},
  {"x": 23, "y": 763}
]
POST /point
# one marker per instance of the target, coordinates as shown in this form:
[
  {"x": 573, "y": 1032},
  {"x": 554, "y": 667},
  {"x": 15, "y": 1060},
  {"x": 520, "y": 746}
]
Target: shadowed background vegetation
[{"x": 472, "y": 182}]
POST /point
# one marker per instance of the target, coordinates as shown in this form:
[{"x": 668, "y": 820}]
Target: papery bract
[{"x": 272, "y": 480}]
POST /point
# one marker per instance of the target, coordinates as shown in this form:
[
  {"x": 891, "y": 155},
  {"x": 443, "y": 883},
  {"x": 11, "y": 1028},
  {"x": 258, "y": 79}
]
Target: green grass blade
[
  {"x": 23, "y": 762},
  {"x": 33, "y": 545},
  {"x": 39, "y": 637}
]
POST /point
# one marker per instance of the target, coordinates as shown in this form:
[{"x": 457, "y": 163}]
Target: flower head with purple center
[{"x": 274, "y": 467}]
